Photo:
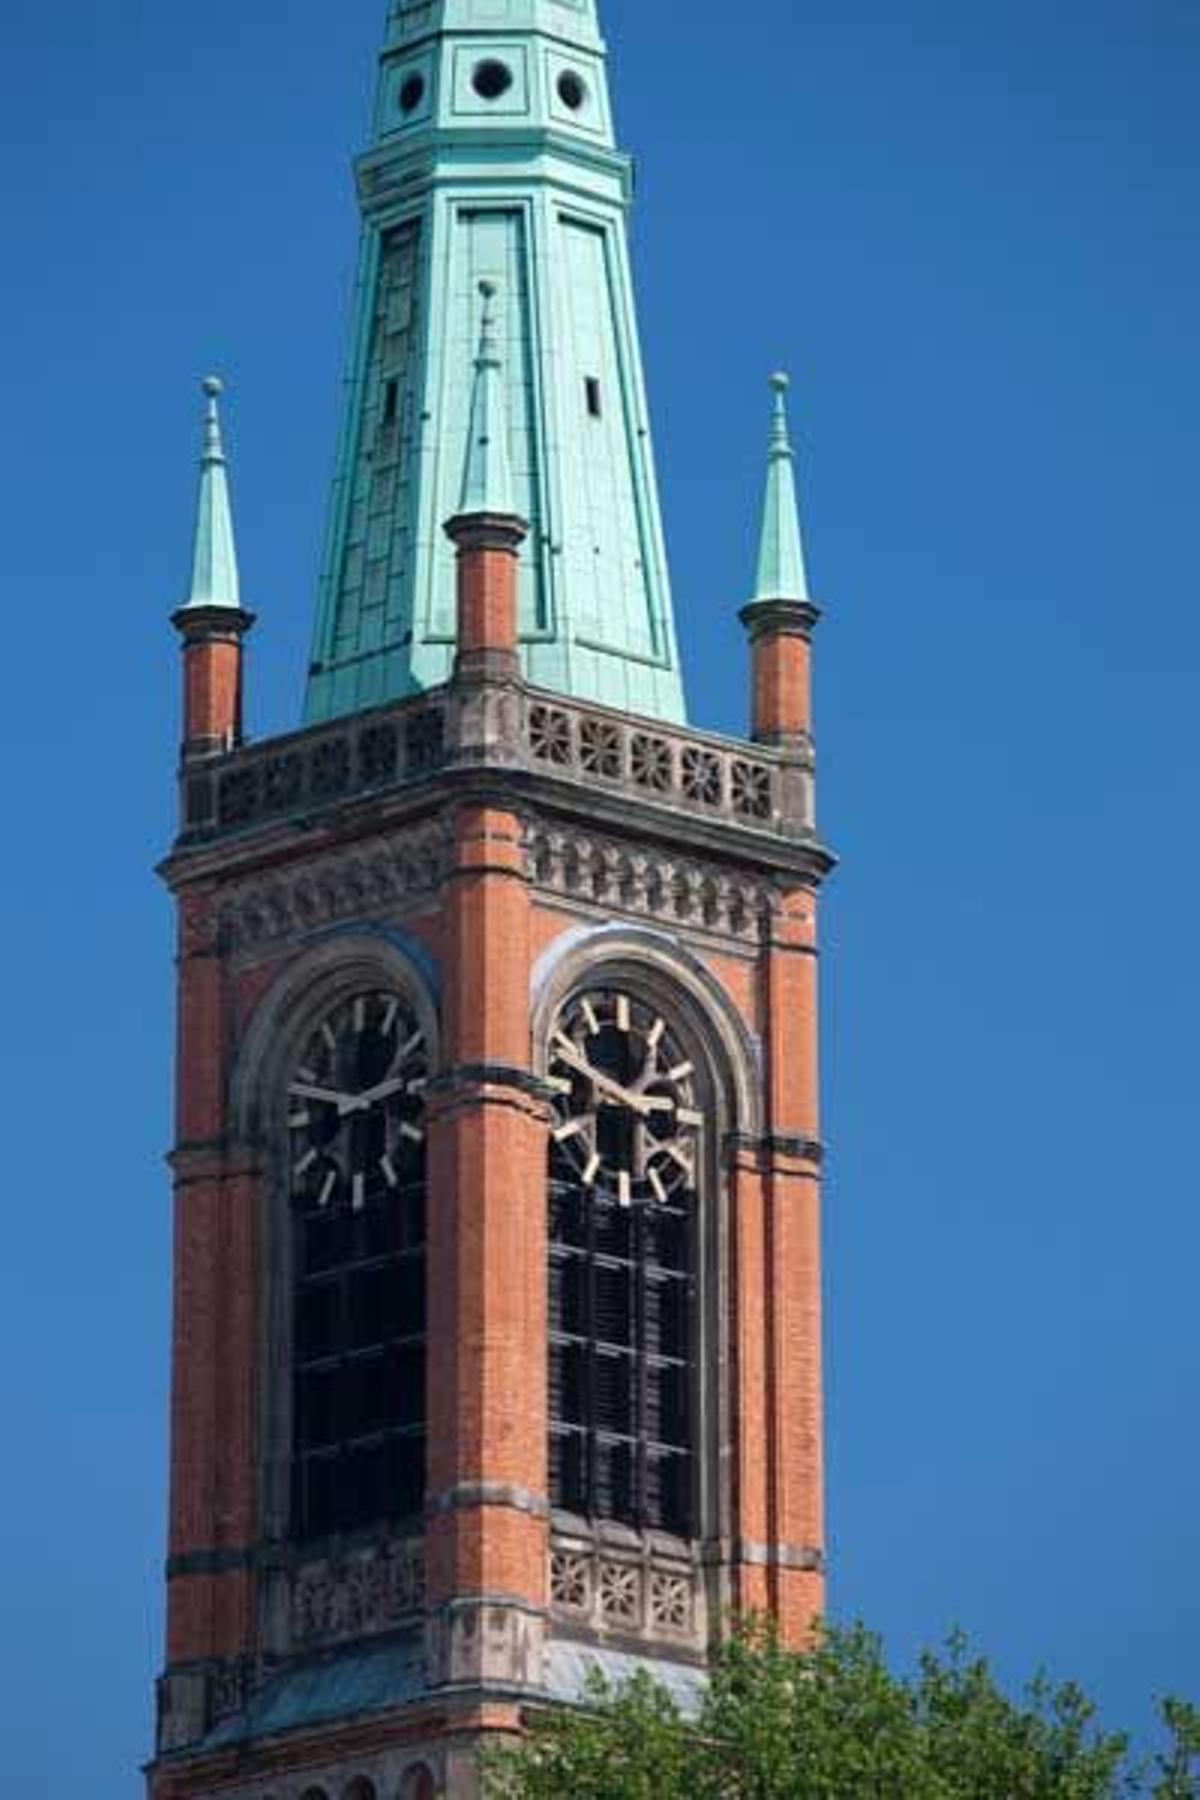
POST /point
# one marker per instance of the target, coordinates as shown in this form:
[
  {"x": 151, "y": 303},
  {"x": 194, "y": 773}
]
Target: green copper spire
[
  {"x": 781, "y": 573},
  {"x": 494, "y": 159},
  {"x": 214, "y": 564},
  {"x": 487, "y": 477}
]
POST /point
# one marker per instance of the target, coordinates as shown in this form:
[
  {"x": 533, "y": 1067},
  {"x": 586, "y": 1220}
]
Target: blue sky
[{"x": 970, "y": 234}]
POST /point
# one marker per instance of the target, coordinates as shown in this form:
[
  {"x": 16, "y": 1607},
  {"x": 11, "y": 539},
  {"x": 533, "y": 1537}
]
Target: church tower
[{"x": 497, "y": 1269}]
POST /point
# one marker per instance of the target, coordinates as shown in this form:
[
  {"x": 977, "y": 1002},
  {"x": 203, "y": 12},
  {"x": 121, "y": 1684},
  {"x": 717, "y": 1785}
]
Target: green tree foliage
[{"x": 836, "y": 1724}]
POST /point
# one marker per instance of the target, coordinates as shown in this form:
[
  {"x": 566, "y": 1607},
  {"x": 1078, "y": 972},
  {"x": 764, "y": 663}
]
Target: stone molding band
[
  {"x": 780, "y": 618},
  {"x": 804, "y": 1558},
  {"x": 210, "y": 1562},
  {"x": 451, "y": 1082},
  {"x": 776, "y": 1144},
  {"x": 472, "y": 1494}
]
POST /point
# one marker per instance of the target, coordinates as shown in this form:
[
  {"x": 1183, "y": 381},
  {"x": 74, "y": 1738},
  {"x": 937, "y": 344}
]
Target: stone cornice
[
  {"x": 508, "y": 745},
  {"x": 780, "y": 618}
]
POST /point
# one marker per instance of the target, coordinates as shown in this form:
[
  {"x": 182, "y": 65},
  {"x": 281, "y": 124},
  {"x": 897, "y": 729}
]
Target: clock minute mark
[
  {"x": 307, "y": 1074},
  {"x": 358, "y": 1198},
  {"x": 326, "y": 1194},
  {"x": 306, "y": 1162},
  {"x": 623, "y": 1013},
  {"x": 412, "y": 1132},
  {"x": 389, "y": 1171},
  {"x": 299, "y": 1120},
  {"x": 360, "y": 1014},
  {"x": 389, "y": 1017},
  {"x": 414, "y": 1043},
  {"x": 571, "y": 1129},
  {"x": 681, "y": 1071},
  {"x": 592, "y": 1170},
  {"x": 330, "y": 1039},
  {"x": 589, "y": 1013},
  {"x": 685, "y": 1116},
  {"x": 656, "y": 1033},
  {"x": 624, "y": 1188},
  {"x": 657, "y": 1183}
]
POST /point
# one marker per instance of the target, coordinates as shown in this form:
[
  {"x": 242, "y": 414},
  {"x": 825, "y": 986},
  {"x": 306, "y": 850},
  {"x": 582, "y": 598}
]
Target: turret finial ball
[
  {"x": 781, "y": 382},
  {"x": 488, "y": 289},
  {"x": 213, "y": 385}
]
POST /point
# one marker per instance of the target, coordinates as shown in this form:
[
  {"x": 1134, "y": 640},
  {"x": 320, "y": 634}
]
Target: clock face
[
  {"x": 627, "y": 1122},
  {"x": 356, "y": 1103}
]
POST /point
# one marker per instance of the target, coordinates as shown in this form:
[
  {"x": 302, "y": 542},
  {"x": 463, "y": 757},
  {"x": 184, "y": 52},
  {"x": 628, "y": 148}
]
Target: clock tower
[{"x": 497, "y": 1272}]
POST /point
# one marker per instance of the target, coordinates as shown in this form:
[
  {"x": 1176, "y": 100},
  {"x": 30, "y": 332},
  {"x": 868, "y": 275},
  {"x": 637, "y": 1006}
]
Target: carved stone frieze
[
  {"x": 674, "y": 890},
  {"x": 368, "y": 880},
  {"x": 630, "y": 1593},
  {"x": 366, "y": 1592}
]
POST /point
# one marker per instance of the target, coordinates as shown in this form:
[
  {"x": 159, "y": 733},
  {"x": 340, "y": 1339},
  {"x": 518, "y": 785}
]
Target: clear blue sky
[{"x": 970, "y": 231}]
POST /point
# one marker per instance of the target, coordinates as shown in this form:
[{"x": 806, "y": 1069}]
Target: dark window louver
[
  {"x": 622, "y": 1357},
  {"x": 359, "y": 1362}
]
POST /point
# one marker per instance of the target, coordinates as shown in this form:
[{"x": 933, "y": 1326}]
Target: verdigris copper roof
[
  {"x": 781, "y": 572},
  {"x": 494, "y": 159},
  {"x": 215, "y": 579},
  {"x": 338, "y": 1686}
]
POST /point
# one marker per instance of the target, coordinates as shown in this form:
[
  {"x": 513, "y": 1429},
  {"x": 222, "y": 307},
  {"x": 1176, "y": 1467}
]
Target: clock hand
[
  {"x": 639, "y": 1103},
  {"x": 364, "y": 1101},
  {"x": 300, "y": 1090}
]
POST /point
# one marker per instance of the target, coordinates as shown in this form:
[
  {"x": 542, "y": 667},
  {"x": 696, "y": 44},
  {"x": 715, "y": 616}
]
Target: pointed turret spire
[
  {"x": 214, "y": 563},
  {"x": 781, "y": 574},
  {"x": 487, "y": 474},
  {"x": 212, "y": 620},
  {"x": 781, "y": 616}
]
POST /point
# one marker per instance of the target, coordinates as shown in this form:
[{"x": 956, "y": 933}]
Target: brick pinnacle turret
[
  {"x": 487, "y": 530},
  {"x": 781, "y": 616},
  {"x": 212, "y": 621}
]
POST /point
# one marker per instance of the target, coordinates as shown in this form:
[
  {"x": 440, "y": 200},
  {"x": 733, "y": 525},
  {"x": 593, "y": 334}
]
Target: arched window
[
  {"x": 355, "y": 1121},
  {"x": 417, "y": 1784},
  {"x": 626, "y": 1169},
  {"x": 360, "y": 1789},
  {"x": 314, "y": 1793}
]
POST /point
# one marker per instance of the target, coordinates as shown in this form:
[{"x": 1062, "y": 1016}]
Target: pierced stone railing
[
  {"x": 356, "y": 1595},
  {"x": 309, "y": 770},
  {"x": 681, "y": 769},
  {"x": 628, "y": 1592},
  {"x": 606, "y": 752}
]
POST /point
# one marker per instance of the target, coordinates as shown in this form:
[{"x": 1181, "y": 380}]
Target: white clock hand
[
  {"x": 300, "y": 1090},
  {"x": 575, "y": 1059},
  {"x": 364, "y": 1101}
]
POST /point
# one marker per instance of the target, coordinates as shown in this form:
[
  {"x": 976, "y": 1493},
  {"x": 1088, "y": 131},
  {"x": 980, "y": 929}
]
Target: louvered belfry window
[
  {"x": 358, "y": 1191},
  {"x": 623, "y": 1282}
]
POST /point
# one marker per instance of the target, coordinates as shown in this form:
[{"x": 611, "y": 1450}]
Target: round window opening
[
  {"x": 412, "y": 92},
  {"x": 571, "y": 90},
  {"x": 491, "y": 79}
]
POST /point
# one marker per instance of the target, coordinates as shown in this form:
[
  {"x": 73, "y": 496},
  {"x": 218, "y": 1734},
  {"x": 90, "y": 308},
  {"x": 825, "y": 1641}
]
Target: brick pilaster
[
  {"x": 488, "y": 1518},
  {"x": 213, "y": 1427},
  {"x": 791, "y": 1160}
]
